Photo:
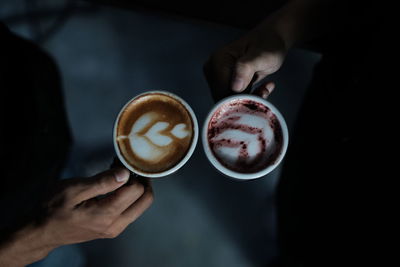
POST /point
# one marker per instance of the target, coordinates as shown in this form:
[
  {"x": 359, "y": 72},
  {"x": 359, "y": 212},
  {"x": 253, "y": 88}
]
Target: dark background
[{"x": 108, "y": 53}]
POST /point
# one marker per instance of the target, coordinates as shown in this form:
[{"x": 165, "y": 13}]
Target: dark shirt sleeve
[{"x": 34, "y": 130}]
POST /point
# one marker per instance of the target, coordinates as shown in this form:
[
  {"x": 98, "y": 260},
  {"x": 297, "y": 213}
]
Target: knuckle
[
  {"x": 101, "y": 186},
  {"x": 107, "y": 213},
  {"x": 149, "y": 197},
  {"x": 112, "y": 209},
  {"x": 104, "y": 222},
  {"x": 138, "y": 188},
  {"x": 110, "y": 233}
]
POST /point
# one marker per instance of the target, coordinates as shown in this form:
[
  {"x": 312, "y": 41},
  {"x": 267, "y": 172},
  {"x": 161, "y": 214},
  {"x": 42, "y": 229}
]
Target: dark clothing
[
  {"x": 34, "y": 131},
  {"x": 327, "y": 196}
]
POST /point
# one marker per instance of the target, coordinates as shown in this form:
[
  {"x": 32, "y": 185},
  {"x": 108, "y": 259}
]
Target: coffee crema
[
  {"x": 154, "y": 132},
  {"x": 245, "y": 136}
]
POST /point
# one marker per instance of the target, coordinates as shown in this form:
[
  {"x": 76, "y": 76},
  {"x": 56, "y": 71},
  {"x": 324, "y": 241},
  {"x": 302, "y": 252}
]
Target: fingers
[
  {"x": 270, "y": 86},
  {"x": 131, "y": 213},
  {"x": 250, "y": 69},
  {"x": 265, "y": 89},
  {"x": 137, "y": 208},
  {"x": 239, "y": 65},
  {"x": 121, "y": 199},
  {"x": 245, "y": 77},
  {"x": 99, "y": 184},
  {"x": 98, "y": 217}
]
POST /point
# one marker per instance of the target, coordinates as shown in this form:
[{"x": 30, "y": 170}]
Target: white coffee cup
[
  {"x": 235, "y": 174},
  {"x": 182, "y": 161}
]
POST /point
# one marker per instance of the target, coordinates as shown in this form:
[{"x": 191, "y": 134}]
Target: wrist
[{"x": 28, "y": 245}]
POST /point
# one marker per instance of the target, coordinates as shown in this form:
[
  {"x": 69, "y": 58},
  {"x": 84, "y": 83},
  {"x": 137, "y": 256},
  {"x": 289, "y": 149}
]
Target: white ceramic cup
[
  {"x": 180, "y": 163},
  {"x": 234, "y": 174}
]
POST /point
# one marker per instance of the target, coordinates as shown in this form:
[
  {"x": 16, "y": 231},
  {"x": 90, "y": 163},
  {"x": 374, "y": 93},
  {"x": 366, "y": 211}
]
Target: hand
[
  {"x": 243, "y": 63},
  {"x": 77, "y": 214}
]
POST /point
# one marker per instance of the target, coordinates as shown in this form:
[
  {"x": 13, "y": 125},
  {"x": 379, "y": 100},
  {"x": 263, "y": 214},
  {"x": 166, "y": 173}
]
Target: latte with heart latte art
[{"x": 154, "y": 132}]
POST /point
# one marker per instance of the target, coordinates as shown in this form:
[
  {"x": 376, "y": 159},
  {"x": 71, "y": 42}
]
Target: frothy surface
[
  {"x": 154, "y": 132},
  {"x": 244, "y": 135}
]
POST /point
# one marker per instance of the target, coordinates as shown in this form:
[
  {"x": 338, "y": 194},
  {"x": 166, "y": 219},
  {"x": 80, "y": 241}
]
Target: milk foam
[
  {"x": 242, "y": 135},
  {"x": 153, "y": 134},
  {"x": 156, "y": 141},
  {"x": 179, "y": 131}
]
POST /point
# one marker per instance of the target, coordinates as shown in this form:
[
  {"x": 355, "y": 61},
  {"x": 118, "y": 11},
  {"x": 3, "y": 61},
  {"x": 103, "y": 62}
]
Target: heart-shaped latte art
[
  {"x": 154, "y": 134},
  {"x": 180, "y": 131},
  {"x": 152, "y": 145}
]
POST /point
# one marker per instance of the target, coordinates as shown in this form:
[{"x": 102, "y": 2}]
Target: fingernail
[
  {"x": 270, "y": 87},
  {"x": 237, "y": 85},
  {"x": 121, "y": 175}
]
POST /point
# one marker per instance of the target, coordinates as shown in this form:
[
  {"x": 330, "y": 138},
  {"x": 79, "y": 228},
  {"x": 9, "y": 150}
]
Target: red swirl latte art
[{"x": 245, "y": 136}]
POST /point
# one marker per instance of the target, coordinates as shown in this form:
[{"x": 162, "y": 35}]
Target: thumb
[
  {"x": 242, "y": 75},
  {"x": 101, "y": 184}
]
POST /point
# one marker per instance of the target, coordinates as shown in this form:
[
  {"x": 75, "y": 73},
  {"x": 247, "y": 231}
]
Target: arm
[
  {"x": 77, "y": 215},
  {"x": 261, "y": 52},
  {"x": 26, "y": 246}
]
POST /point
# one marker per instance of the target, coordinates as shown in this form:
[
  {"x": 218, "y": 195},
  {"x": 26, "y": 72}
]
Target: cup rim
[
  {"x": 237, "y": 175},
  {"x": 180, "y": 163}
]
